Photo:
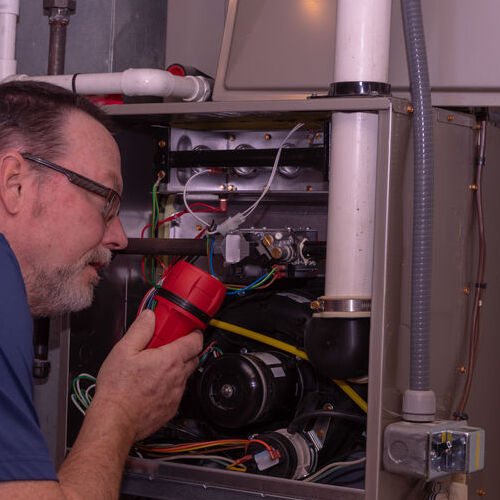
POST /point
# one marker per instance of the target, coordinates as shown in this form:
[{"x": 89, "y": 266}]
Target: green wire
[
  {"x": 259, "y": 283},
  {"x": 85, "y": 402}
]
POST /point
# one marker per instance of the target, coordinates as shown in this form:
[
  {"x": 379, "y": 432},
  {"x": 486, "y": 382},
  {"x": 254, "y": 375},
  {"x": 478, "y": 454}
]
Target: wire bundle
[
  {"x": 81, "y": 398},
  {"x": 263, "y": 281}
]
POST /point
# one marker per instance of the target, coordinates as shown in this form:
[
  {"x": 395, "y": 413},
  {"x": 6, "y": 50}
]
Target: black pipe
[
  {"x": 41, "y": 363},
  {"x": 313, "y": 156},
  {"x": 58, "y": 12},
  {"x": 165, "y": 246},
  {"x": 294, "y": 424}
]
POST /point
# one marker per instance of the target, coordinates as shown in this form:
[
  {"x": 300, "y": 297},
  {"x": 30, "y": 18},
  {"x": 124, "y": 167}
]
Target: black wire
[{"x": 304, "y": 417}]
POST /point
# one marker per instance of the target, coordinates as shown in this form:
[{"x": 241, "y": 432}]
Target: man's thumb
[{"x": 141, "y": 331}]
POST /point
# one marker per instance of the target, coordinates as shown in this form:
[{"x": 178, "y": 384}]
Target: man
[{"x": 58, "y": 230}]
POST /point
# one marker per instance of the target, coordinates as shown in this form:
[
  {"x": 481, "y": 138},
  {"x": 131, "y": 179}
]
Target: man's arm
[{"x": 137, "y": 391}]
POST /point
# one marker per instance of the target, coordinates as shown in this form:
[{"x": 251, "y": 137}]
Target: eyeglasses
[{"x": 112, "y": 198}]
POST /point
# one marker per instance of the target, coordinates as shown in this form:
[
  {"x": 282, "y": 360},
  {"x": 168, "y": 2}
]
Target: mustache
[{"x": 99, "y": 255}]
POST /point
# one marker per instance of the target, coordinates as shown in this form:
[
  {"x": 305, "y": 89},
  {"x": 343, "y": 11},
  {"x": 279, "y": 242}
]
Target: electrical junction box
[{"x": 434, "y": 449}]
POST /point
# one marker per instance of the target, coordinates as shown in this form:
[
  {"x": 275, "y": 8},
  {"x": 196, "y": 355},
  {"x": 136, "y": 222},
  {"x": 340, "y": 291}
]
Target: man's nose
[{"x": 114, "y": 236}]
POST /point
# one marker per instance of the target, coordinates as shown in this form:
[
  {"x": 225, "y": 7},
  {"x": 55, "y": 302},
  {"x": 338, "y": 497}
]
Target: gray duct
[{"x": 422, "y": 200}]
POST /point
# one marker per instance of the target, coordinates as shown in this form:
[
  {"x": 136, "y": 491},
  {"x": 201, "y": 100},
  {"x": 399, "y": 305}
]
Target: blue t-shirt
[{"x": 23, "y": 451}]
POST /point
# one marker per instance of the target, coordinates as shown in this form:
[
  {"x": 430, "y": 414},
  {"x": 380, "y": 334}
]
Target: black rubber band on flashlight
[{"x": 184, "y": 304}]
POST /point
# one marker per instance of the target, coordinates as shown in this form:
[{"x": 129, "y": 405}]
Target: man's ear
[{"x": 13, "y": 181}]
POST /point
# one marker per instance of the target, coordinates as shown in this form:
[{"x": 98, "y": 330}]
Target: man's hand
[{"x": 142, "y": 388}]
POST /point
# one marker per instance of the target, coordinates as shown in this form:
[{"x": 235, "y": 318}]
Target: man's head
[{"x": 56, "y": 227}]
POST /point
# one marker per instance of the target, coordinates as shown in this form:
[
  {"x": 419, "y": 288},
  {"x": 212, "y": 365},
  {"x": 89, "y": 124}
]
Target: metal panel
[
  {"x": 461, "y": 39},
  {"x": 389, "y": 345}
]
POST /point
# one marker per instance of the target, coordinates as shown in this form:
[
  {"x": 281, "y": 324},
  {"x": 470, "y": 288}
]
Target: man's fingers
[
  {"x": 141, "y": 331},
  {"x": 187, "y": 347}
]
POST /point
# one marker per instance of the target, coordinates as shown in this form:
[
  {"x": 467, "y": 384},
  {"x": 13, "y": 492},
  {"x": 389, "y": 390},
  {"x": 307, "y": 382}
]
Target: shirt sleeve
[{"x": 24, "y": 453}]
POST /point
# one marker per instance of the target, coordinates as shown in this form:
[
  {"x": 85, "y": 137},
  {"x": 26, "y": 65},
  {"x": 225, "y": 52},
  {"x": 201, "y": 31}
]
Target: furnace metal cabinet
[{"x": 453, "y": 276}]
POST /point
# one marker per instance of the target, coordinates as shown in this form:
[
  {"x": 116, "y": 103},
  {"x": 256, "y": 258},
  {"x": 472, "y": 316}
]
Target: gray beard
[{"x": 61, "y": 289}]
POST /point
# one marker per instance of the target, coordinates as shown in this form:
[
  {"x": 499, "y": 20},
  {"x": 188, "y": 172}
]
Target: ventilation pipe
[
  {"x": 9, "y": 11},
  {"x": 131, "y": 82},
  {"x": 337, "y": 337}
]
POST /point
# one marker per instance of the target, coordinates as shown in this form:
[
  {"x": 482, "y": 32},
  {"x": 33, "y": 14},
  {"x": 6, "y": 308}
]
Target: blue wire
[
  {"x": 210, "y": 260},
  {"x": 150, "y": 301},
  {"x": 235, "y": 292}
]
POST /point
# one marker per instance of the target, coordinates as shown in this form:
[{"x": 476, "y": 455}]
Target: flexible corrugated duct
[{"x": 419, "y": 401}]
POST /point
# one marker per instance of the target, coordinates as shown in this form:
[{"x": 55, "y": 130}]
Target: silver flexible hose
[{"x": 422, "y": 196}]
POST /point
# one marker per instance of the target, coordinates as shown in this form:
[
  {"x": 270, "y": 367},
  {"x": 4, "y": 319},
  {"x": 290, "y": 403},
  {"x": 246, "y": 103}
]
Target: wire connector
[{"x": 230, "y": 224}]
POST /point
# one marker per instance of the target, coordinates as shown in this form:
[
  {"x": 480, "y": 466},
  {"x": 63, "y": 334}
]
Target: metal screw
[
  {"x": 223, "y": 187},
  {"x": 198, "y": 227},
  {"x": 328, "y": 407},
  {"x": 481, "y": 492},
  {"x": 276, "y": 253},
  {"x": 162, "y": 144},
  {"x": 409, "y": 108},
  {"x": 268, "y": 137},
  {"x": 227, "y": 390},
  {"x": 467, "y": 290},
  {"x": 268, "y": 240},
  {"x": 309, "y": 188},
  {"x": 450, "y": 118},
  {"x": 315, "y": 305},
  {"x": 231, "y": 187},
  {"x": 473, "y": 187},
  {"x": 232, "y": 137},
  {"x": 462, "y": 369}
]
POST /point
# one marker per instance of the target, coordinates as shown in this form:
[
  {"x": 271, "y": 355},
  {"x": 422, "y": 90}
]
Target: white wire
[
  {"x": 216, "y": 458},
  {"x": 77, "y": 404},
  {"x": 87, "y": 392},
  {"x": 184, "y": 195},
  {"x": 250, "y": 209},
  {"x": 333, "y": 466}
]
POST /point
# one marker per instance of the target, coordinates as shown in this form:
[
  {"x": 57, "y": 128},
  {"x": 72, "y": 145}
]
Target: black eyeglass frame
[{"x": 113, "y": 199}]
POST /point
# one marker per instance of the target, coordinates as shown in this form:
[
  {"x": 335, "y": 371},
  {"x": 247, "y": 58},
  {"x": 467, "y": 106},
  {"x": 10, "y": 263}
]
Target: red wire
[{"x": 180, "y": 214}]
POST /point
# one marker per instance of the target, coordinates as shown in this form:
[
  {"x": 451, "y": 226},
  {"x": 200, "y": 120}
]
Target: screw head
[
  {"x": 227, "y": 390},
  {"x": 309, "y": 188},
  {"x": 466, "y": 290},
  {"x": 409, "y": 108},
  {"x": 198, "y": 227},
  {"x": 315, "y": 305},
  {"x": 268, "y": 240},
  {"x": 450, "y": 118},
  {"x": 481, "y": 492},
  {"x": 268, "y": 137},
  {"x": 162, "y": 143},
  {"x": 462, "y": 369}
]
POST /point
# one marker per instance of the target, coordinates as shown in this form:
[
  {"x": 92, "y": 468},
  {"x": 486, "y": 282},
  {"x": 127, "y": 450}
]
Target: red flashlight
[{"x": 187, "y": 300}]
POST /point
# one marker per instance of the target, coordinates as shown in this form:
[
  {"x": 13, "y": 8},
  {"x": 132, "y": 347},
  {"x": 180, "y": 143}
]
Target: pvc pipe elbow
[{"x": 135, "y": 82}]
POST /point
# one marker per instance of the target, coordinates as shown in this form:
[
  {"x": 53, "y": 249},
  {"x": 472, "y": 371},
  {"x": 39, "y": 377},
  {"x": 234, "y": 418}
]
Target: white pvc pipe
[
  {"x": 361, "y": 54},
  {"x": 362, "y": 41},
  {"x": 9, "y": 10},
  {"x": 351, "y": 204},
  {"x": 131, "y": 82}
]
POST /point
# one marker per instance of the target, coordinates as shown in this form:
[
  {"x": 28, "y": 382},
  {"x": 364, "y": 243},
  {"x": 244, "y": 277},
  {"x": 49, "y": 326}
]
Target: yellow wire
[{"x": 283, "y": 346}]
